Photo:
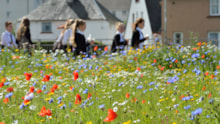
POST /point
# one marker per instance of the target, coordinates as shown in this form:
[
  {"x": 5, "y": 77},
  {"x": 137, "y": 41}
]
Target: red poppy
[
  {"x": 143, "y": 101},
  {"x": 207, "y": 73},
  {"x": 111, "y": 116},
  {"x": 176, "y": 61},
  {"x": 127, "y": 95},
  {"x": 26, "y": 101},
  {"x": 218, "y": 67},
  {"x": 1, "y": 85},
  {"x": 95, "y": 48},
  {"x": 199, "y": 43},
  {"x": 194, "y": 49},
  {"x": 106, "y": 48},
  {"x": 76, "y": 75},
  {"x": 78, "y": 99},
  {"x": 45, "y": 112},
  {"x": 135, "y": 99},
  {"x": 31, "y": 90},
  {"x": 39, "y": 91},
  {"x": 181, "y": 97},
  {"x": 89, "y": 95},
  {"x": 135, "y": 58},
  {"x": 212, "y": 76},
  {"x": 55, "y": 86},
  {"x": 2, "y": 123},
  {"x": 46, "y": 78},
  {"x": 138, "y": 68},
  {"x": 170, "y": 66},
  {"x": 6, "y": 100},
  {"x": 155, "y": 60},
  {"x": 52, "y": 90},
  {"x": 28, "y": 76},
  {"x": 10, "y": 89},
  {"x": 203, "y": 56},
  {"x": 162, "y": 68},
  {"x": 210, "y": 95},
  {"x": 203, "y": 88}
]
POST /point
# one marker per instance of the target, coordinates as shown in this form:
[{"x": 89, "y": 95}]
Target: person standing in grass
[
  {"x": 78, "y": 39},
  {"x": 65, "y": 35},
  {"x": 7, "y": 38},
  {"x": 138, "y": 37},
  {"x": 119, "y": 42},
  {"x": 23, "y": 34}
]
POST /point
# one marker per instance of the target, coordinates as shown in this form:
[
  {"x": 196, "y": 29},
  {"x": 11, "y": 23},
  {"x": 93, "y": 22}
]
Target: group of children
[
  {"x": 23, "y": 39},
  {"x": 73, "y": 36}
]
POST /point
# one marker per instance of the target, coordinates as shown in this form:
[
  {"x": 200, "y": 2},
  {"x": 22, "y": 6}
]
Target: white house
[
  {"x": 11, "y": 10},
  {"x": 150, "y": 11},
  {"x": 46, "y": 18},
  {"x": 119, "y": 8}
]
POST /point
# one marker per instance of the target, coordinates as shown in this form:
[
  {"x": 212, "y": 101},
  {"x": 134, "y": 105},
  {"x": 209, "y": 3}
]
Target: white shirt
[
  {"x": 141, "y": 45},
  {"x": 66, "y": 37},
  {"x": 80, "y": 32},
  {"x": 121, "y": 36},
  {"x": 8, "y": 39}
]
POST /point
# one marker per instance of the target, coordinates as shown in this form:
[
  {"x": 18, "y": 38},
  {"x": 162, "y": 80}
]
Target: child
[
  {"x": 138, "y": 37},
  {"x": 64, "y": 36},
  {"x": 8, "y": 39},
  {"x": 78, "y": 39},
  {"x": 24, "y": 35},
  {"x": 119, "y": 42}
]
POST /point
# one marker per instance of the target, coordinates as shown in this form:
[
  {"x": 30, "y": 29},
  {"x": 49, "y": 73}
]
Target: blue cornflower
[
  {"x": 120, "y": 84},
  {"x": 139, "y": 87},
  {"x": 151, "y": 83}
]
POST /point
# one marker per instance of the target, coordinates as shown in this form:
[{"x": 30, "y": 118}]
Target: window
[
  {"x": 215, "y": 7},
  {"x": 133, "y": 18},
  {"x": 137, "y": 1},
  {"x": 137, "y": 15},
  {"x": 142, "y": 15},
  {"x": 46, "y": 27},
  {"x": 214, "y": 37},
  {"x": 8, "y": 14},
  {"x": 7, "y": 1},
  {"x": 178, "y": 38}
]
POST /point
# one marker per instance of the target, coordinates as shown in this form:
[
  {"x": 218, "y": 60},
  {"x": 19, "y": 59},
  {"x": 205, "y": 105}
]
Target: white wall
[
  {"x": 17, "y": 9},
  {"x": 100, "y": 30},
  {"x": 137, "y": 9}
]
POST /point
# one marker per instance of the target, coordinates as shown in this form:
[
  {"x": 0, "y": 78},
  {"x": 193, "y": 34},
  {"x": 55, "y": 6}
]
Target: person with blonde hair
[
  {"x": 138, "y": 37},
  {"x": 78, "y": 39},
  {"x": 119, "y": 42},
  {"x": 62, "y": 41}
]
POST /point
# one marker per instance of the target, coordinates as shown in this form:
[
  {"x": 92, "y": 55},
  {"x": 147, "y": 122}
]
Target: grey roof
[
  {"x": 71, "y": 9},
  {"x": 114, "y": 5},
  {"x": 154, "y": 11}
]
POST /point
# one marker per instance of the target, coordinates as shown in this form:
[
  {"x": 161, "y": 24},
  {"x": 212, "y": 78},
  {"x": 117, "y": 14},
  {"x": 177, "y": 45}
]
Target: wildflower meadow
[{"x": 156, "y": 85}]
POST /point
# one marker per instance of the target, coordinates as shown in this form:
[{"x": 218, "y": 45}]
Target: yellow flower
[
  {"x": 47, "y": 99},
  {"x": 174, "y": 123},
  {"x": 27, "y": 103},
  {"x": 90, "y": 122},
  {"x": 128, "y": 122}
]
